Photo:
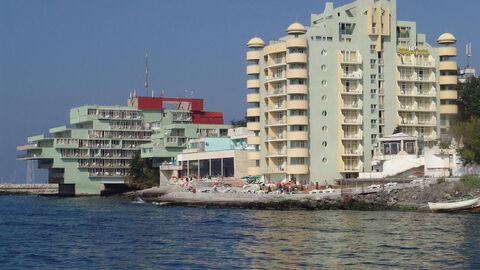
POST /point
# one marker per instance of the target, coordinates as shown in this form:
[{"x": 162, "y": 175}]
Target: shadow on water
[{"x": 98, "y": 232}]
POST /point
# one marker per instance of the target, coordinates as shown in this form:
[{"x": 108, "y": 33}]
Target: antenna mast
[
  {"x": 146, "y": 72},
  {"x": 468, "y": 52}
]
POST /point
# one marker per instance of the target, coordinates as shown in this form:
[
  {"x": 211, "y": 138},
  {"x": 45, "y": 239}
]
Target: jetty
[{"x": 32, "y": 189}]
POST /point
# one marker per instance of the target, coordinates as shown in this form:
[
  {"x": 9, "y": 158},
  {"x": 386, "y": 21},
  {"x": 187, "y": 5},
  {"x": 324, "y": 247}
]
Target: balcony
[
  {"x": 253, "y": 98},
  {"x": 276, "y": 137},
  {"x": 413, "y": 77},
  {"x": 297, "y": 152},
  {"x": 298, "y": 120},
  {"x": 355, "y": 59},
  {"x": 297, "y": 104},
  {"x": 276, "y": 107},
  {"x": 253, "y": 83},
  {"x": 352, "y": 105},
  {"x": 253, "y": 69},
  {"x": 350, "y": 91},
  {"x": 448, "y": 109},
  {"x": 352, "y": 168},
  {"x": 253, "y": 55},
  {"x": 417, "y": 63},
  {"x": 448, "y": 94},
  {"x": 277, "y": 152},
  {"x": 275, "y": 62},
  {"x": 297, "y": 89},
  {"x": 276, "y": 169},
  {"x": 297, "y": 169},
  {"x": 253, "y": 155},
  {"x": 447, "y": 65},
  {"x": 297, "y": 58},
  {"x": 276, "y": 93},
  {"x": 353, "y": 151},
  {"x": 253, "y": 140},
  {"x": 252, "y": 112},
  {"x": 300, "y": 73},
  {"x": 352, "y": 121},
  {"x": 297, "y": 135},
  {"x": 28, "y": 146},
  {"x": 446, "y": 80},
  {"x": 447, "y": 51},
  {"x": 275, "y": 122},
  {"x": 28, "y": 156},
  {"x": 275, "y": 78},
  {"x": 354, "y": 136},
  {"x": 296, "y": 42},
  {"x": 253, "y": 126},
  {"x": 356, "y": 75}
]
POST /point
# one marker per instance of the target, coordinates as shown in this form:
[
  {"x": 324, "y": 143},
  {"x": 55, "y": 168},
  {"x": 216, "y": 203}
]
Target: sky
[{"x": 55, "y": 55}]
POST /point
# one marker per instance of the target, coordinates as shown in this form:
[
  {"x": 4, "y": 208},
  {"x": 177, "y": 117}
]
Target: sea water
[{"x": 114, "y": 233}]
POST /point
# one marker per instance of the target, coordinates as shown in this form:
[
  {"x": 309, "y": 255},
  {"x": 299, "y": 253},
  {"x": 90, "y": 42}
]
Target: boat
[{"x": 467, "y": 203}]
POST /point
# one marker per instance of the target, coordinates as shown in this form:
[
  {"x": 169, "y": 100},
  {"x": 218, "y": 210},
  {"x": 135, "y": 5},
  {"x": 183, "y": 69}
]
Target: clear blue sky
[{"x": 55, "y": 55}]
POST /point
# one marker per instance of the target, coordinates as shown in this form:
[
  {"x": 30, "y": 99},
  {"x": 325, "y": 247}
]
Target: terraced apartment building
[
  {"x": 96, "y": 149},
  {"x": 321, "y": 96}
]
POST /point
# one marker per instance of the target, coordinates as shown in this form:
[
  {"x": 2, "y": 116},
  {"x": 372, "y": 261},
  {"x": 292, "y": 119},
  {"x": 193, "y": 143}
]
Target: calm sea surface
[{"x": 100, "y": 233}]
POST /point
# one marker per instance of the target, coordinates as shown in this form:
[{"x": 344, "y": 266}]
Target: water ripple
[{"x": 106, "y": 233}]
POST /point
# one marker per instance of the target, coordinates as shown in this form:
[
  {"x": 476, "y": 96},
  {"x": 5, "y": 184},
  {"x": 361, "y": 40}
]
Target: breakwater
[{"x": 34, "y": 189}]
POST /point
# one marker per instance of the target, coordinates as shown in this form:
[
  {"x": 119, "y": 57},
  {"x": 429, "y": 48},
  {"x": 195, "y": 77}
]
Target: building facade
[
  {"x": 321, "y": 96},
  {"x": 97, "y": 148}
]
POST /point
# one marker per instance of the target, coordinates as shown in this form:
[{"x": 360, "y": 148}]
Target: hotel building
[
  {"x": 95, "y": 151},
  {"x": 321, "y": 96}
]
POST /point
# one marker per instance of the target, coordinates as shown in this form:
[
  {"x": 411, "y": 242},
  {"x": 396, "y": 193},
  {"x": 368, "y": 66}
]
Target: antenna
[
  {"x": 468, "y": 52},
  {"x": 146, "y": 72}
]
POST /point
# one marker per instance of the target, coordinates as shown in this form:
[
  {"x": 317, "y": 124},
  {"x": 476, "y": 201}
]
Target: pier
[{"x": 34, "y": 189}]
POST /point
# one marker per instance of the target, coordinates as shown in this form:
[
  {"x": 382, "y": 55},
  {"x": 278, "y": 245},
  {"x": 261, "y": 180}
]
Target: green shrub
[
  {"x": 441, "y": 180},
  {"x": 471, "y": 181}
]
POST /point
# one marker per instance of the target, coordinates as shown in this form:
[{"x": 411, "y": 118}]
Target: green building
[
  {"x": 94, "y": 153},
  {"x": 321, "y": 96}
]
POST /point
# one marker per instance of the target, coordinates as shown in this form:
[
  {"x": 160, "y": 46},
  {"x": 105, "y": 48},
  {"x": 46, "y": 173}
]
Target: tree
[
  {"x": 239, "y": 123},
  {"x": 466, "y": 132},
  {"x": 469, "y": 99},
  {"x": 141, "y": 174},
  {"x": 397, "y": 130}
]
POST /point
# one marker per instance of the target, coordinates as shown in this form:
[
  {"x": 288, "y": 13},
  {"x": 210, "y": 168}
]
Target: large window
[{"x": 391, "y": 148}]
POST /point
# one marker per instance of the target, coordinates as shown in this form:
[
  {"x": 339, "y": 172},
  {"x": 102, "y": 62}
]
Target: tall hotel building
[{"x": 320, "y": 97}]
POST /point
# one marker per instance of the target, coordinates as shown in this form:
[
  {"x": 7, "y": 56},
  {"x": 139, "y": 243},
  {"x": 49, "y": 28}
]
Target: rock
[
  {"x": 414, "y": 197},
  {"x": 448, "y": 196}
]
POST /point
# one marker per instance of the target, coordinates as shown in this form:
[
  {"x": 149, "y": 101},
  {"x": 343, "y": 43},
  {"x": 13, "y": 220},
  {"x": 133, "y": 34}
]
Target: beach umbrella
[
  {"x": 246, "y": 177},
  {"x": 418, "y": 172},
  {"x": 253, "y": 177}
]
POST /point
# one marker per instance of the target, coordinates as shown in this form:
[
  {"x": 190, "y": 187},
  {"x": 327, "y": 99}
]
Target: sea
[{"x": 114, "y": 233}]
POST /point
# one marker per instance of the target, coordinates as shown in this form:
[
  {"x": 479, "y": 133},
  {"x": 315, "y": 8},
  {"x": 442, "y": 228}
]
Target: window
[
  {"x": 372, "y": 48},
  {"x": 298, "y": 128},
  {"x": 324, "y": 160},
  {"x": 324, "y": 82},
  {"x": 324, "y": 128},
  {"x": 324, "y": 113},
  {"x": 324, "y": 52},
  {"x": 324, "y": 67},
  {"x": 324, "y": 144},
  {"x": 324, "y": 98},
  {"x": 298, "y": 144},
  {"x": 297, "y": 161},
  {"x": 372, "y": 63}
]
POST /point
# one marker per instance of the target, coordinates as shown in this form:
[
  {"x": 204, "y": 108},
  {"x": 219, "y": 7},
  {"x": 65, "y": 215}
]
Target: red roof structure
[{"x": 199, "y": 116}]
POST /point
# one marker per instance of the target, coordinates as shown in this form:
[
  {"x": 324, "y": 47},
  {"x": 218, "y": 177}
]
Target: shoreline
[{"x": 402, "y": 198}]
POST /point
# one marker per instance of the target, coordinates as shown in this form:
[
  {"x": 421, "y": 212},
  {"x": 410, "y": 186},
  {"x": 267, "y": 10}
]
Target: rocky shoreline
[{"x": 406, "y": 197}]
